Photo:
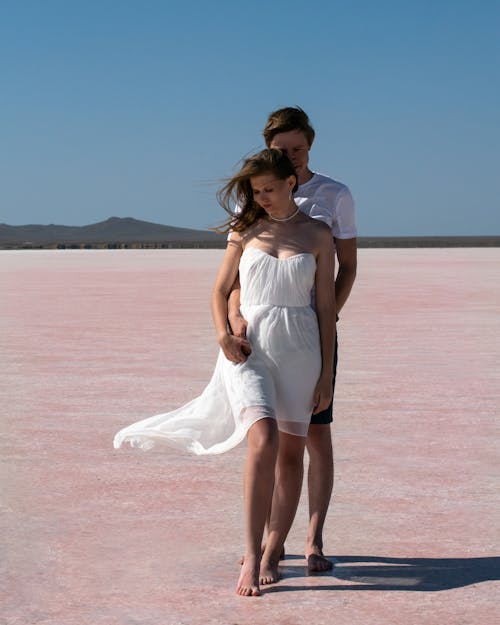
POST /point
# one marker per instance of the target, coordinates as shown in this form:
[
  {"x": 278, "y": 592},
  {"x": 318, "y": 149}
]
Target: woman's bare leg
[
  {"x": 258, "y": 481},
  {"x": 286, "y": 495}
]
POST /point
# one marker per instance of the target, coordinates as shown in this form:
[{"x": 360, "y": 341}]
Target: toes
[
  {"x": 268, "y": 579},
  {"x": 269, "y": 574},
  {"x": 248, "y": 591}
]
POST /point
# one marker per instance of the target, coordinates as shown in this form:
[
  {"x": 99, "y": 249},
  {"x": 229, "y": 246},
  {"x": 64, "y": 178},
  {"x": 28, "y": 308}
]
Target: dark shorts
[{"x": 326, "y": 416}]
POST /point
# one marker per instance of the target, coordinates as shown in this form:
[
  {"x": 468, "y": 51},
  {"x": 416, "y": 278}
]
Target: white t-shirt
[{"x": 323, "y": 198}]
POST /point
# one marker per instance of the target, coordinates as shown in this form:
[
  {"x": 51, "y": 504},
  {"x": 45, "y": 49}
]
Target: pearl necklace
[{"x": 284, "y": 218}]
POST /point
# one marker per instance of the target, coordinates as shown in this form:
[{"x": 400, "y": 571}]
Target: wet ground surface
[{"x": 93, "y": 340}]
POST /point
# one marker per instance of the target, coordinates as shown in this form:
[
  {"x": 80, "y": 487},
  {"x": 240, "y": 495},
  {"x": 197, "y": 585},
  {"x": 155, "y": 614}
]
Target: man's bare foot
[
  {"x": 269, "y": 572},
  {"x": 282, "y": 555},
  {"x": 248, "y": 583},
  {"x": 317, "y": 563}
]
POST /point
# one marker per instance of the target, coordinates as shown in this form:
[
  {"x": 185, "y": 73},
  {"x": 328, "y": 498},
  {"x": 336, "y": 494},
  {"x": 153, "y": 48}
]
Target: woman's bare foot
[
  {"x": 269, "y": 572},
  {"x": 248, "y": 583}
]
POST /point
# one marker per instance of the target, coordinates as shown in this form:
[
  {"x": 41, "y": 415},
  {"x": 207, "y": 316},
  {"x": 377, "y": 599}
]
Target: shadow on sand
[{"x": 414, "y": 574}]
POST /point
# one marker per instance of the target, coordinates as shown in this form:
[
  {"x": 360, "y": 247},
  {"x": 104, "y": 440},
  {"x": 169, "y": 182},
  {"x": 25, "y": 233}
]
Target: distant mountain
[
  {"x": 119, "y": 230},
  {"x": 129, "y": 232}
]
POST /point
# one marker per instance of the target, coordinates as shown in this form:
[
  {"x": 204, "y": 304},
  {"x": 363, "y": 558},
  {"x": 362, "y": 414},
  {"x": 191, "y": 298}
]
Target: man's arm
[
  {"x": 347, "y": 259},
  {"x": 237, "y": 323}
]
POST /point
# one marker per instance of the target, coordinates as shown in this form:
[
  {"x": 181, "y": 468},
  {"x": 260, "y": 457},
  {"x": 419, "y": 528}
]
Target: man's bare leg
[
  {"x": 320, "y": 484},
  {"x": 258, "y": 480},
  {"x": 287, "y": 487}
]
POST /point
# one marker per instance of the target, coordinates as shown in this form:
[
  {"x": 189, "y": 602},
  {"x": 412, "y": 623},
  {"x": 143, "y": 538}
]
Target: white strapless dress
[{"x": 278, "y": 378}]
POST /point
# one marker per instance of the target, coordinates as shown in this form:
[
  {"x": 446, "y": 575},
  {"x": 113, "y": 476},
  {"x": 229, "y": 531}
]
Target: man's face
[{"x": 294, "y": 143}]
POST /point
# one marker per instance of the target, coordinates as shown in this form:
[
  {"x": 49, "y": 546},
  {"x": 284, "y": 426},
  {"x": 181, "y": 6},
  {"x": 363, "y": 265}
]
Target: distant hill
[
  {"x": 115, "y": 230},
  {"x": 128, "y": 232}
]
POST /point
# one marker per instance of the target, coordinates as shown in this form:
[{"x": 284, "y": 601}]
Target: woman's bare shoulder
[
  {"x": 251, "y": 232},
  {"x": 235, "y": 238},
  {"x": 318, "y": 233}
]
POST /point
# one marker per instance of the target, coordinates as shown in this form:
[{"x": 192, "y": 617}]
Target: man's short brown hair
[{"x": 286, "y": 119}]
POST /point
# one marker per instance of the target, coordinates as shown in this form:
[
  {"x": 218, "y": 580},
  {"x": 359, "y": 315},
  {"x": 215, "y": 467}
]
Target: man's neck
[{"x": 305, "y": 177}]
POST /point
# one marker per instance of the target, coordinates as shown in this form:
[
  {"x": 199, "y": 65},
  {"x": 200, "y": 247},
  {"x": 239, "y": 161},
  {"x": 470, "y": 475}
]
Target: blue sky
[{"x": 139, "y": 109}]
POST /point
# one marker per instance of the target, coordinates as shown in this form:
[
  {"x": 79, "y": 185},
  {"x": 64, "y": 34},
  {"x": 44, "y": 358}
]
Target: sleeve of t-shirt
[
  {"x": 237, "y": 209},
  {"x": 344, "y": 223}
]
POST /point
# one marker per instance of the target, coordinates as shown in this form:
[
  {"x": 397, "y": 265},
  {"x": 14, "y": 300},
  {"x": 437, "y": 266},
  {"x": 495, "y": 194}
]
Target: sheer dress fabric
[{"x": 278, "y": 378}]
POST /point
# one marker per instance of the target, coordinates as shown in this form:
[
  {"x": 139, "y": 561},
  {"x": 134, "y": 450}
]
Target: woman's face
[
  {"x": 295, "y": 145},
  {"x": 271, "y": 193}
]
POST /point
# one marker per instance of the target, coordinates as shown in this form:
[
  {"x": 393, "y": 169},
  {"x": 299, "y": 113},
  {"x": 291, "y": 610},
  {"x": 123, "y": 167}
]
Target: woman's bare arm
[
  {"x": 235, "y": 348},
  {"x": 326, "y": 312}
]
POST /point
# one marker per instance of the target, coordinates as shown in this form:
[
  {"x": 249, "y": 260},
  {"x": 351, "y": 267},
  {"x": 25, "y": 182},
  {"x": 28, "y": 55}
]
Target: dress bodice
[{"x": 267, "y": 280}]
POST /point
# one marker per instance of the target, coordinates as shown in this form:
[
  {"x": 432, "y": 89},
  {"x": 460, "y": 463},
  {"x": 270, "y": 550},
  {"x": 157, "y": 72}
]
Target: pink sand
[{"x": 93, "y": 340}]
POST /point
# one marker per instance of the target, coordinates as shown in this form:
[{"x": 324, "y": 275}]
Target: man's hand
[
  {"x": 235, "y": 348},
  {"x": 323, "y": 394},
  {"x": 238, "y": 324}
]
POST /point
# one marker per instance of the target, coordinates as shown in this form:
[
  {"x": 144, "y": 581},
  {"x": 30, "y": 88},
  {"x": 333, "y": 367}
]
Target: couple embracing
[{"x": 275, "y": 303}]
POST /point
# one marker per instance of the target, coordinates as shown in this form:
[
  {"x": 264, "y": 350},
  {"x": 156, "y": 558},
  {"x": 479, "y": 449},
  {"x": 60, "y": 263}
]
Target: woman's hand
[
  {"x": 323, "y": 394},
  {"x": 235, "y": 348}
]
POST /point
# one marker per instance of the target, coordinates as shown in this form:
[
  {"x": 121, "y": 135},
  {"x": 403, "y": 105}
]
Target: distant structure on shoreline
[
  {"x": 434, "y": 241},
  {"x": 129, "y": 233}
]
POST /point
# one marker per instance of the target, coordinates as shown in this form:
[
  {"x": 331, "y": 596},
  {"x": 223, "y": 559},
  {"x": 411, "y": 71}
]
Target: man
[{"x": 320, "y": 197}]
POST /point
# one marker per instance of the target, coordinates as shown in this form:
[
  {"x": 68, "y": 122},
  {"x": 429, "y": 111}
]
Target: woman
[
  {"x": 289, "y": 129},
  {"x": 265, "y": 385}
]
